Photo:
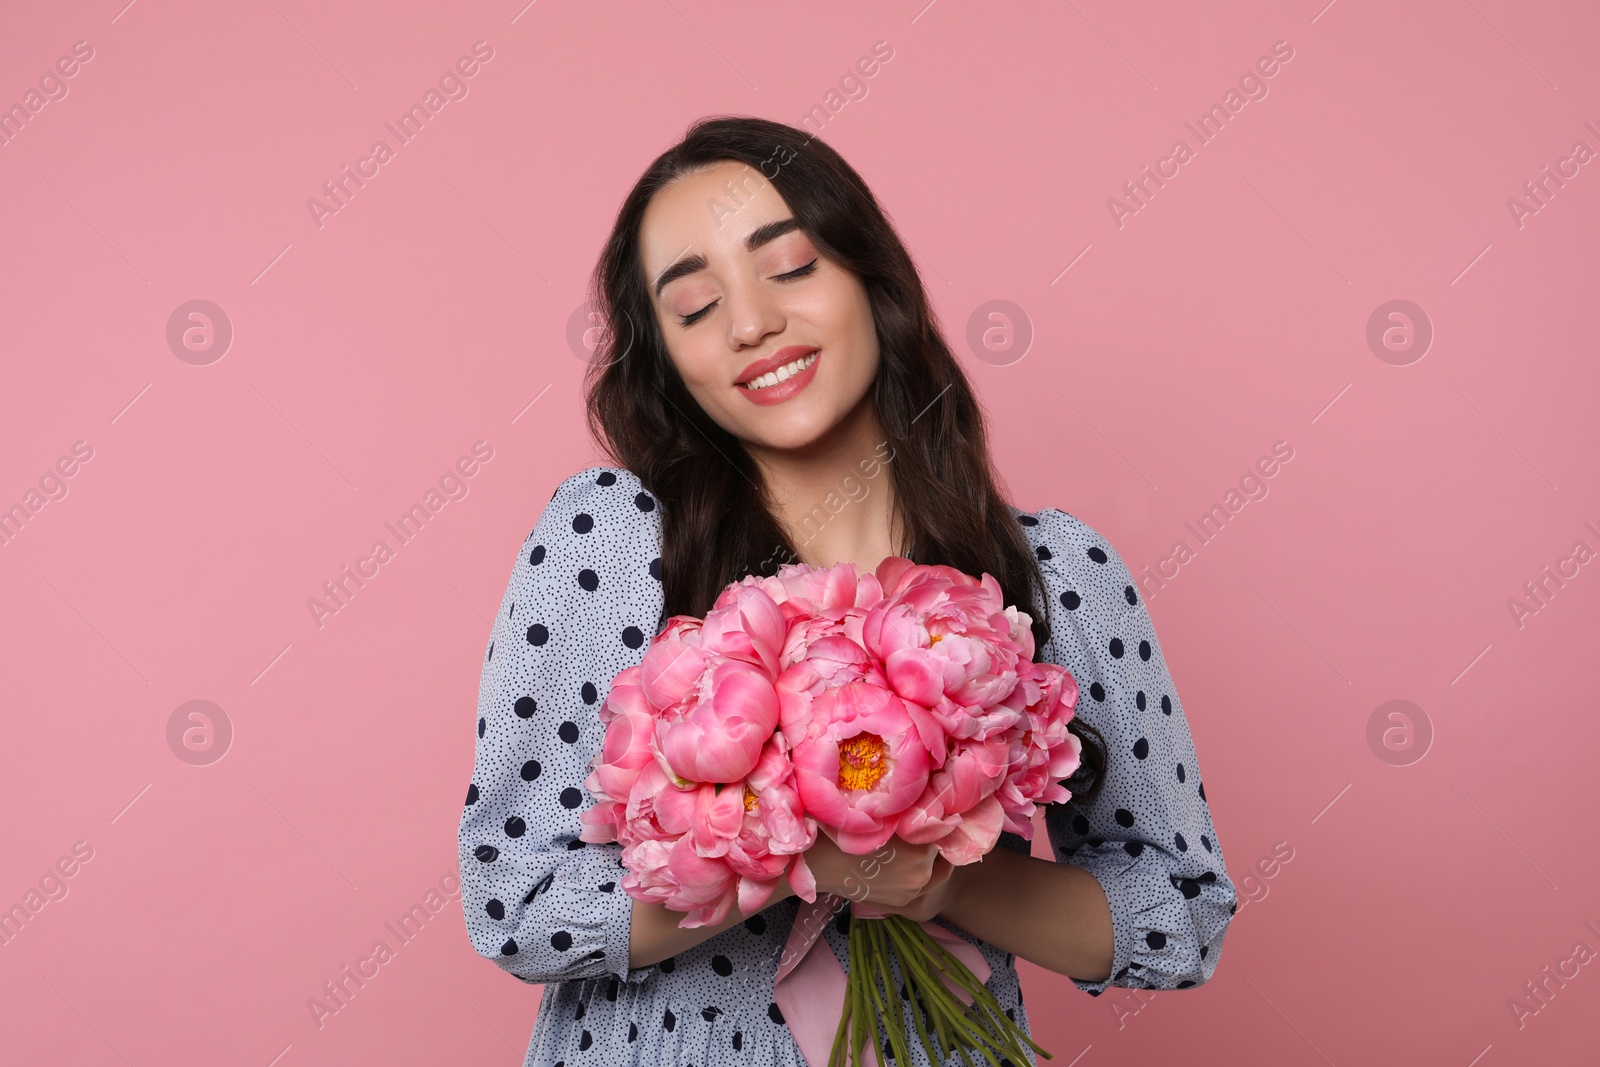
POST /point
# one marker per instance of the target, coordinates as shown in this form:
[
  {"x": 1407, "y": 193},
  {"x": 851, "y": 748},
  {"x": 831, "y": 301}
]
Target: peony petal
[
  {"x": 915, "y": 676},
  {"x": 859, "y": 843},
  {"x": 977, "y": 833},
  {"x": 753, "y": 896},
  {"x": 801, "y": 879}
]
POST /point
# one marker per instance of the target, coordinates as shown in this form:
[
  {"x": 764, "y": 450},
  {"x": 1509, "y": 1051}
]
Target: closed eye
[{"x": 798, "y": 272}]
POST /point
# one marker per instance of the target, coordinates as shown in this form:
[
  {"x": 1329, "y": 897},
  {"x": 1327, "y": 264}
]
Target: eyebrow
[{"x": 759, "y": 236}]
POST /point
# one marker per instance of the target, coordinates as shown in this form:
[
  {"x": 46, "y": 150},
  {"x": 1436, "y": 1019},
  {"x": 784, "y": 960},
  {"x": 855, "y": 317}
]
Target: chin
[
  {"x": 792, "y": 429},
  {"x": 794, "y": 441}
]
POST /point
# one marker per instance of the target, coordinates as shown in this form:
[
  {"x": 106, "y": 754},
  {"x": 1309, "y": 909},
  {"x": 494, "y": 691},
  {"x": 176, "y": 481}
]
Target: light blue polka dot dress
[{"x": 584, "y": 599}]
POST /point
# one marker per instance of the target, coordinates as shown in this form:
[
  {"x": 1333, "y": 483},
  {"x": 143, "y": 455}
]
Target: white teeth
[{"x": 788, "y": 370}]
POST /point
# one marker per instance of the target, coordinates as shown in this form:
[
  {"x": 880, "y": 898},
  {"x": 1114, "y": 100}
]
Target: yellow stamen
[
  {"x": 863, "y": 759},
  {"x": 750, "y": 800}
]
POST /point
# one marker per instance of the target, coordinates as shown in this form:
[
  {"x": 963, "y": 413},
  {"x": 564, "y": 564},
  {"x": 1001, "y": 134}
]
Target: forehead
[{"x": 709, "y": 213}]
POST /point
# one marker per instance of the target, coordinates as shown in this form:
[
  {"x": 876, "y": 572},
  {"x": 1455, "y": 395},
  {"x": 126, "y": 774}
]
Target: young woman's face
[{"x": 736, "y": 286}]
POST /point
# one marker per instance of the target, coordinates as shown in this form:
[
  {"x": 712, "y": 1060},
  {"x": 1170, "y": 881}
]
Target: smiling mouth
[{"x": 783, "y": 373}]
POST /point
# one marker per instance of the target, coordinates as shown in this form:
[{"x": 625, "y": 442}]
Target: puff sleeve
[
  {"x": 1148, "y": 836},
  {"x": 582, "y": 603}
]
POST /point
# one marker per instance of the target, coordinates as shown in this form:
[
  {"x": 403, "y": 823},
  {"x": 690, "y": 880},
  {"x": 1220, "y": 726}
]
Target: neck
[{"x": 835, "y": 497}]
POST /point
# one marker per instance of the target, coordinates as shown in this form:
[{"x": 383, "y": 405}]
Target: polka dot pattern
[
  {"x": 546, "y": 907},
  {"x": 1170, "y": 906}
]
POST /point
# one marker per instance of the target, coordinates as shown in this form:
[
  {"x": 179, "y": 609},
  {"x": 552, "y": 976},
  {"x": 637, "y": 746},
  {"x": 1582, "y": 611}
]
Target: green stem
[
  {"x": 924, "y": 987},
  {"x": 858, "y": 1027},
  {"x": 894, "y": 1020},
  {"x": 935, "y": 997},
  {"x": 872, "y": 962},
  {"x": 955, "y": 1031},
  {"x": 890, "y": 958},
  {"x": 837, "y": 1057},
  {"x": 983, "y": 1022},
  {"x": 920, "y": 1010}
]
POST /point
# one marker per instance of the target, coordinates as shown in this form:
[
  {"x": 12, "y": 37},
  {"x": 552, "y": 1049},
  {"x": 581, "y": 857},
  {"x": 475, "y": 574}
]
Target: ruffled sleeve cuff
[{"x": 1161, "y": 939}]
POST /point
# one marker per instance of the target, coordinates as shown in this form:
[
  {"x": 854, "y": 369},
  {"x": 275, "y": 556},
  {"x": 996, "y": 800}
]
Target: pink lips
[{"x": 777, "y": 394}]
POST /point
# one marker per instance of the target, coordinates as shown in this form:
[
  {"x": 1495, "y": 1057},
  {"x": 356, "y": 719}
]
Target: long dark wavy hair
[{"x": 717, "y": 525}]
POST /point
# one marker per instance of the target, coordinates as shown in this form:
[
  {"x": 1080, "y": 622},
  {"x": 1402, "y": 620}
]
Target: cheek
[
  {"x": 843, "y": 314},
  {"x": 856, "y": 323},
  {"x": 699, "y": 369}
]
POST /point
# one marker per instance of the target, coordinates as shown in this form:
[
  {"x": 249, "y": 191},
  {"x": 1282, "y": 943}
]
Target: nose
[{"x": 753, "y": 315}]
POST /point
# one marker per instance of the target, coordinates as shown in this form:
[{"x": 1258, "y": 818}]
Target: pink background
[{"x": 1228, "y": 313}]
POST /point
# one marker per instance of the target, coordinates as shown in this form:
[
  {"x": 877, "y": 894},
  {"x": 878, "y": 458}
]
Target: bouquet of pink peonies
[{"x": 899, "y": 703}]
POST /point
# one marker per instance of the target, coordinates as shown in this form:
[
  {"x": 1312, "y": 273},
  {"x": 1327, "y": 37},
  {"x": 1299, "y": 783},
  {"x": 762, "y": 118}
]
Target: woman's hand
[
  {"x": 895, "y": 877},
  {"x": 936, "y": 899}
]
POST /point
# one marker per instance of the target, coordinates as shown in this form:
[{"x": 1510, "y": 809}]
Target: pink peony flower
[
  {"x": 807, "y": 591},
  {"x": 954, "y": 810},
  {"x": 774, "y": 831},
  {"x": 647, "y": 823},
  {"x": 711, "y": 685},
  {"x": 706, "y": 888},
  {"x": 701, "y": 848},
  {"x": 1044, "y": 751},
  {"x": 899, "y": 702},
  {"x": 657, "y": 830},
  {"x": 775, "y": 814},
  {"x": 864, "y": 764},
  {"x": 976, "y": 834},
  {"x": 824, "y": 660},
  {"x": 717, "y": 735},
  {"x": 626, "y": 750},
  {"x": 948, "y": 643}
]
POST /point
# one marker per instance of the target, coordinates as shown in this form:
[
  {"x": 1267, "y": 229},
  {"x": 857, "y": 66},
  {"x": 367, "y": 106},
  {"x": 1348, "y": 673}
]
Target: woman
[{"x": 774, "y": 389}]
